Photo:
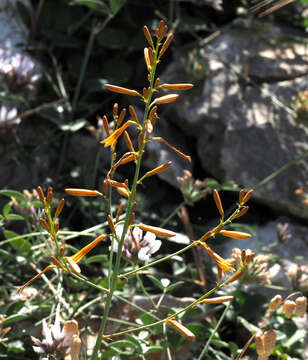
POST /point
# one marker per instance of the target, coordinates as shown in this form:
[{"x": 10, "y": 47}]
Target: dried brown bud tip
[
  {"x": 177, "y": 86},
  {"x": 49, "y": 195},
  {"x": 111, "y": 224},
  {"x": 218, "y": 202},
  {"x": 148, "y": 36},
  {"x": 235, "y": 234},
  {"x": 288, "y": 308},
  {"x": 269, "y": 341},
  {"x": 301, "y": 306},
  {"x": 106, "y": 125},
  {"x": 274, "y": 303},
  {"x": 166, "y": 44},
  {"x": 41, "y": 195},
  {"x": 83, "y": 192},
  {"x": 115, "y": 111},
  {"x": 45, "y": 224},
  {"x": 121, "y": 90},
  {"x": 156, "y": 230},
  {"x": 59, "y": 208}
]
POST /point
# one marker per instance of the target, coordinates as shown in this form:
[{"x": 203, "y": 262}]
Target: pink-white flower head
[{"x": 137, "y": 247}]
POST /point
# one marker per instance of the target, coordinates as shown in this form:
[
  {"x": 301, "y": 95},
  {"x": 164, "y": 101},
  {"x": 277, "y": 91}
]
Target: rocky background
[{"x": 244, "y": 123}]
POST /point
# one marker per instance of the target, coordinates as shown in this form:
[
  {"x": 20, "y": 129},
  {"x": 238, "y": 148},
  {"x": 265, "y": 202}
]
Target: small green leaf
[
  {"x": 15, "y": 194},
  {"x": 93, "y": 4},
  {"x": 156, "y": 282},
  {"x": 135, "y": 341},
  {"x": 174, "y": 286},
  {"x": 115, "y": 5},
  {"x": 20, "y": 244},
  {"x": 108, "y": 354},
  {"x": 249, "y": 326},
  {"x": 14, "y": 308},
  {"x": 96, "y": 258},
  {"x": 16, "y": 347},
  {"x": 298, "y": 336},
  {"x": 152, "y": 349},
  {"x": 13, "y": 319},
  {"x": 14, "y": 217},
  {"x": 6, "y": 209},
  {"x": 122, "y": 344},
  {"x": 147, "y": 319}
]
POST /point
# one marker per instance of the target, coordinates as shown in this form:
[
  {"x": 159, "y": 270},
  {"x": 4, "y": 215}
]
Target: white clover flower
[
  {"x": 55, "y": 341},
  {"x": 19, "y": 72},
  {"x": 136, "y": 246},
  {"x": 7, "y": 113}
]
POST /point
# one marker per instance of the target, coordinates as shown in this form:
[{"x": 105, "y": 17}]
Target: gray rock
[{"x": 242, "y": 115}]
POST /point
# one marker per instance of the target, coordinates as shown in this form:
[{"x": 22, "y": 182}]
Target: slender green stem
[
  {"x": 134, "y": 271},
  {"x": 203, "y": 352},
  {"x": 129, "y": 208}
]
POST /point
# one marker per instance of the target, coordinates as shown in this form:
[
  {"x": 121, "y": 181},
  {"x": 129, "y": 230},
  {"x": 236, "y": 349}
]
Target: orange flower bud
[
  {"x": 56, "y": 226},
  {"x": 81, "y": 253},
  {"x": 123, "y": 191},
  {"x": 165, "y": 99},
  {"x": 157, "y": 170},
  {"x": 115, "y": 111},
  {"x": 217, "y": 300},
  {"x": 121, "y": 118},
  {"x": 162, "y": 140},
  {"x": 41, "y": 195},
  {"x": 182, "y": 329},
  {"x": 133, "y": 114},
  {"x": 235, "y": 234},
  {"x": 156, "y": 230},
  {"x": 74, "y": 267},
  {"x": 248, "y": 195},
  {"x": 111, "y": 224},
  {"x": 218, "y": 202},
  {"x": 147, "y": 59},
  {"x": 177, "y": 86},
  {"x": 242, "y": 212},
  {"x": 128, "y": 142},
  {"x": 83, "y": 192},
  {"x": 121, "y": 90},
  {"x": 120, "y": 211},
  {"x": 106, "y": 125}
]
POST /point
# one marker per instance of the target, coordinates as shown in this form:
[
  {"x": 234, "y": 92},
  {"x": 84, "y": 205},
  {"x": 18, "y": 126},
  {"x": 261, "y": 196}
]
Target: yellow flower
[
  {"x": 222, "y": 264},
  {"x": 111, "y": 139},
  {"x": 71, "y": 260}
]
